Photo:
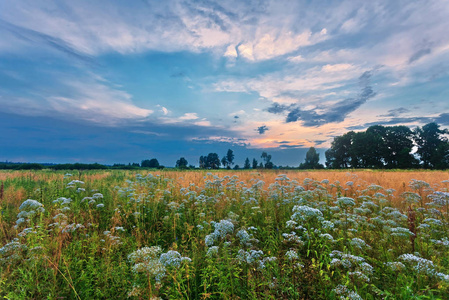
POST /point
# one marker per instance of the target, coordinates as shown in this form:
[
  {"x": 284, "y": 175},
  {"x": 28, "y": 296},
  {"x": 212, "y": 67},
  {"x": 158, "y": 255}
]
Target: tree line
[
  {"x": 378, "y": 147},
  {"x": 392, "y": 147}
]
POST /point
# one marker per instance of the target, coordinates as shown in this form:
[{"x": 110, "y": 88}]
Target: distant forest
[{"x": 378, "y": 147}]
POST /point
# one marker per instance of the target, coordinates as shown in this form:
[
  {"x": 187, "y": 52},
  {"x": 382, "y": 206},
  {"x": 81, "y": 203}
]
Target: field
[{"x": 224, "y": 235}]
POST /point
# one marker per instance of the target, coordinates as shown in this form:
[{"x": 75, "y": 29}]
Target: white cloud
[
  {"x": 189, "y": 116},
  {"x": 97, "y": 103},
  {"x": 202, "y": 123},
  {"x": 274, "y": 85}
]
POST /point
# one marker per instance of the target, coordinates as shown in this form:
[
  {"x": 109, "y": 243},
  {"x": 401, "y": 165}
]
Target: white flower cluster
[
  {"x": 254, "y": 257},
  {"x": 72, "y": 228},
  {"x": 419, "y": 264},
  {"x": 222, "y": 228},
  {"x": 443, "y": 242},
  {"x": 346, "y": 294},
  {"x": 12, "y": 252},
  {"x": 244, "y": 236},
  {"x": 212, "y": 251},
  {"x": 28, "y": 209},
  {"x": 146, "y": 260},
  {"x": 150, "y": 260},
  {"x": 345, "y": 202},
  {"x": 361, "y": 269},
  {"x": 293, "y": 238},
  {"x": 401, "y": 232},
  {"x": 304, "y": 213},
  {"x": 172, "y": 259},
  {"x": 291, "y": 255},
  {"x": 395, "y": 265},
  {"x": 359, "y": 243}
]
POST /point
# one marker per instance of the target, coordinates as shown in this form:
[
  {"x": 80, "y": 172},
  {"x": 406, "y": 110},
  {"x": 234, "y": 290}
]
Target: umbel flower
[{"x": 151, "y": 261}]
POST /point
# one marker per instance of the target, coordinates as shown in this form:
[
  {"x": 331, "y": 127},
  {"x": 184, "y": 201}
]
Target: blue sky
[{"x": 122, "y": 81}]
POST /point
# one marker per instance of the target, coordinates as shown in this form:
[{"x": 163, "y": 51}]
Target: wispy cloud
[
  {"x": 189, "y": 116},
  {"x": 335, "y": 112}
]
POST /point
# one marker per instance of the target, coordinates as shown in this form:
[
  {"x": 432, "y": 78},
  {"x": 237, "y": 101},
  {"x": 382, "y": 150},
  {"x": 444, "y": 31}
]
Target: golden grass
[{"x": 397, "y": 180}]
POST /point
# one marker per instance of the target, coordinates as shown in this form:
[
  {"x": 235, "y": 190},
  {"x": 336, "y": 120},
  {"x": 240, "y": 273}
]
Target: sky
[{"x": 122, "y": 81}]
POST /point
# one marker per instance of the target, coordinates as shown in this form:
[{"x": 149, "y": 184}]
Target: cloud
[
  {"x": 262, "y": 129},
  {"x": 418, "y": 54},
  {"x": 221, "y": 139},
  {"x": 97, "y": 103},
  {"x": 36, "y": 37},
  {"x": 336, "y": 112},
  {"x": 165, "y": 111},
  {"x": 277, "y": 108},
  {"x": 443, "y": 119},
  {"x": 189, "y": 116},
  {"x": 203, "y": 123},
  {"x": 396, "y": 112}
]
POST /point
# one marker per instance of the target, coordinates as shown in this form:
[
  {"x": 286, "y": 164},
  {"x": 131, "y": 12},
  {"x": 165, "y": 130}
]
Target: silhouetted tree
[
  {"x": 202, "y": 162},
  {"x": 254, "y": 163},
  {"x": 181, "y": 163},
  {"x": 225, "y": 163},
  {"x": 211, "y": 161},
  {"x": 312, "y": 160},
  {"x": 150, "y": 163},
  {"x": 267, "y": 159},
  {"x": 433, "y": 146},
  {"x": 230, "y": 157},
  {"x": 398, "y": 147},
  {"x": 340, "y": 155},
  {"x": 247, "y": 165}
]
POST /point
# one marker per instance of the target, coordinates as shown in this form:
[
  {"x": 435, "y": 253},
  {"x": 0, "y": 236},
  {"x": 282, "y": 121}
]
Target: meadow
[{"x": 251, "y": 234}]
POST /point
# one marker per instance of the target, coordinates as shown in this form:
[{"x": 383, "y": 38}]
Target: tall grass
[{"x": 224, "y": 235}]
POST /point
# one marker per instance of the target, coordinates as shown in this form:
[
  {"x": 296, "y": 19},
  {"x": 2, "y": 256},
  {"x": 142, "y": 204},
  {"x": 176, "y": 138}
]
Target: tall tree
[
  {"x": 340, "y": 154},
  {"x": 230, "y": 157},
  {"x": 432, "y": 145},
  {"x": 399, "y": 143},
  {"x": 312, "y": 160},
  {"x": 247, "y": 164},
  {"x": 150, "y": 163},
  {"x": 225, "y": 163},
  {"x": 212, "y": 161},
  {"x": 202, "y": 162},
  {"x": 255, "y": 163},
  {"x": 267, "y": 159},
  {"x": 181, "y": 163}
]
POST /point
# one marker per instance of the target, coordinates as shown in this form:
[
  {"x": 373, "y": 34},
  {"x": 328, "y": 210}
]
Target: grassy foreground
[{"x": 224, "y": 235}]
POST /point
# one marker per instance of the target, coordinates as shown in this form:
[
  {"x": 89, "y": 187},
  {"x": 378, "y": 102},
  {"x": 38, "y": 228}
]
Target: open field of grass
[{"x": 224, "y": 235}]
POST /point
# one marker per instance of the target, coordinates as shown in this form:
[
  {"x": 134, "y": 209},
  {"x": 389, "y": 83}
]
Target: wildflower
[
  {"x": 31, "y": 205},
  {"x": 293, "y": 238},
  {"x": 327, "y": 236},
  {"x": 401, "y": 232},
  {"x": 359, "y": 243},
  {"x": 304, "y": 213},
  {"x": 97, "y": 196},
  {"x": 345, "y": 202},
  {"x": 146, "y": 260},
  {"x": 243, "y": 236},
  {"x": 291, "y": 255},
  {"x": 346, "y": 293},
  {"x": 12, "y": 252},
  {"x": 212, "y": 251},
  {"x": 395, "y": 266},
  {"x": 419, "y": 264},
  {"x": 172, "y": 259}
]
